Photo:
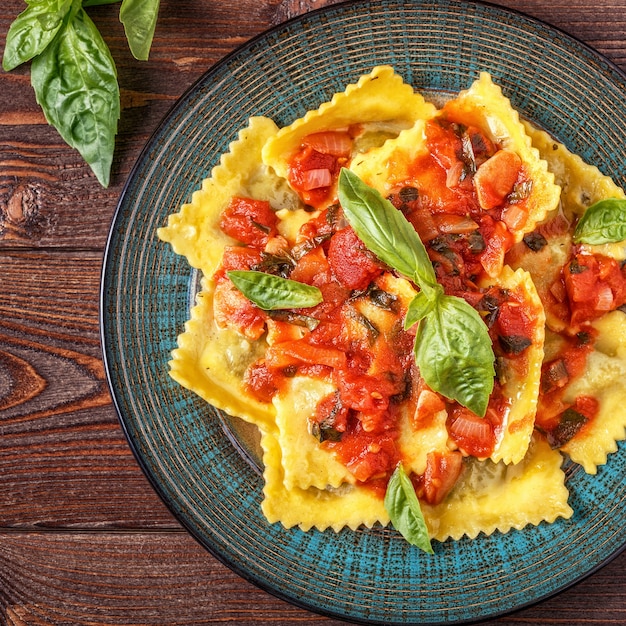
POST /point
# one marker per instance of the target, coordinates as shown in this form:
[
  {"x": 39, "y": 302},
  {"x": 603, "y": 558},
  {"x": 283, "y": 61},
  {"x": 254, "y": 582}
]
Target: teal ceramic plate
[{"x": 368, "y": 576}]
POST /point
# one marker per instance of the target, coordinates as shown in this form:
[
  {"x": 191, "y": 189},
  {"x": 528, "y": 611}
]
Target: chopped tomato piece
[
  {"x": 279, "y": 331},
  {"x": 442, "y": 473},
  {"x": 313, "y": 174},
  {"x": 366, "y": 393},
  {"x": 498, "y": 241},
  {"x": 312, "y": 268},
  {"x": 496, "y": 177},
  {"x": 240, "y": 258},
  {"x": 233, "y": 310},
  {"x": 301, "y": 352},
  {"x": 249, "y": 221},
  {"x": 429, "y": 404},
  {"x": 367, "y": 455},
  {"x": 261, "y": 382},
  {"x": 351, "y": 262},
  {"x": 594, "y": 285}
]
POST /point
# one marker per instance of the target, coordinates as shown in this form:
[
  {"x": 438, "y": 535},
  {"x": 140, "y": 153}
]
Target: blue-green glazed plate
[{"x": 368, "y": 576}]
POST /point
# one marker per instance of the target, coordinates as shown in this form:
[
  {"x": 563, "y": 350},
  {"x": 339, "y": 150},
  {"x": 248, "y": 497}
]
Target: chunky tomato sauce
[
  {"x": 466, "y": 198},
  {"x": 369, "y": 358}
]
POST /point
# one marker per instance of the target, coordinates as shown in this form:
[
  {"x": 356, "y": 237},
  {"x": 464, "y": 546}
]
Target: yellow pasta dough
[{"x": 362, "y": 379}]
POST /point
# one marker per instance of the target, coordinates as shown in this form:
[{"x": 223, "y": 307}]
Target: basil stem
[
  {"x": 33, "y": 30},
  {"x": 404, "y": 510},
  {"x": 419, "y": 307},
  {"x": 139, "y": 18},
  {"x": 603, "y": 222},
  {"x": 75, "y": 83},
  {"x": 452, "y": 346},
  {"x": 270, "y": 292}
]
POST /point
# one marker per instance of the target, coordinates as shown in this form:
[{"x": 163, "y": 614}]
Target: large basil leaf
[
  {"x": 454, "y": 353},
  {"x": 385, "y": 231},
  {"x": 139, "y": 18},
  {"x": 75, "y": 83},
  {"x": 452, "y": 347},
  {"x": 33, "y": 30},
  {"x": 404, "y": 510},
  {"x": 95, "y": 3},
  {"x": 271, "y": 293},
  {"x": 603, "y": 222}
]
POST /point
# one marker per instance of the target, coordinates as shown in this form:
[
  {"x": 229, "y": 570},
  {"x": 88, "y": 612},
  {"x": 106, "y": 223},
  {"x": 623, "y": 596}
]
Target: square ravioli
[{"x": 332, "y": 382}]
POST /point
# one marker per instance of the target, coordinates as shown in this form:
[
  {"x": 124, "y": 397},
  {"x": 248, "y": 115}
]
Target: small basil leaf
[
  {"x": 405, "y": 512},
  {"x": 139, "y": 18},
  {"x": 270, "y": 292},
  {"x": 75, "y": 83},
  {"x": 32, "y": 31},
  {"x": 603, "y": 222},
  {"x": 385, "y": 231},
  {"x": 455, "y": 355},
  {"x": 418, "y": 309}
]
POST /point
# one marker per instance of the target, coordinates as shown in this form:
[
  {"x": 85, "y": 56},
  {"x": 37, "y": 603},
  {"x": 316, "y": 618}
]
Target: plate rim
[{"x": 104, "y": 322}]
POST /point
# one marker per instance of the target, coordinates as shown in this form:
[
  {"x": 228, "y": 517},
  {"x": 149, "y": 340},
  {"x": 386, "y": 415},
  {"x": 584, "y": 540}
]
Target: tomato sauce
[{"x": 466, "y": 197}]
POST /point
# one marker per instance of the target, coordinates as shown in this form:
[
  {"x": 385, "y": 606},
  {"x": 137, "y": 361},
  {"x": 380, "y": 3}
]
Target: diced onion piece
[
  {"x": 336, "y": 143},
  {"x": 450, "y": 223},
  {"x": 604, "y": 299},
  {"x": 317, "y": 178},
  {"x": 514, "y": 216},
  {"x": 496, "y": 178},
  {"x": 453, "y": 175}
]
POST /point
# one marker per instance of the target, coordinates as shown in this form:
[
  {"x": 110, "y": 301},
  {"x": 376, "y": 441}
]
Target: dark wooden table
[{"x": 83, "y": 537}]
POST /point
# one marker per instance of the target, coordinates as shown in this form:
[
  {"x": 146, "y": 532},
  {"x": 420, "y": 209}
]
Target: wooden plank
[
  {"x": 48, "y": 196},
  {"x": 167, "y": 578},
  {"x": 64, "y": 460}
]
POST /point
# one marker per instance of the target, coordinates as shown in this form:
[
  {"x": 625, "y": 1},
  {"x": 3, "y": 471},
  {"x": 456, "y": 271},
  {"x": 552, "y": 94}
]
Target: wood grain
[
  {"x": 84, "y": 539},
  {"x": 89, "y": 578}
]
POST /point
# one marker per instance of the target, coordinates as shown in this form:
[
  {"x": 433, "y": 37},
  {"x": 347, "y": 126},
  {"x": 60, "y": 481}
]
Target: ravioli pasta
[{"x": 334, "y": 388}]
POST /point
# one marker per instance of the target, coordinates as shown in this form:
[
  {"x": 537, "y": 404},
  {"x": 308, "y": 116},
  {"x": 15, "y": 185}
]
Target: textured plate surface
[{"x": 369, "y": 576}]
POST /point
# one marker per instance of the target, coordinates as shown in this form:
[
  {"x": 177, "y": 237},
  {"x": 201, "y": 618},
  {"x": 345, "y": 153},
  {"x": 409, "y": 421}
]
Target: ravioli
[
  {"x": 194, "y": 231},
  {"x": 334, "y": 388},
  {"x": 602, "y": 378},
  {"x": 484, "y": 105},
  {"x": 211, "y": 362},
  {"x": 371, "y": 111},
  {"x": 488, "y": 497},
  {"x": 521, "y": 378}
]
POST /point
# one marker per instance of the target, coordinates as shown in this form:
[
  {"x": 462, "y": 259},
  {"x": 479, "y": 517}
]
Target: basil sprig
[
  {"x": 73, "y": 73},
  {"x": 452, "y": 346},
  {"x": 404, "y": 510},
  {"x": 603, "y": 222},
  {"x": 271, "y": 293}
]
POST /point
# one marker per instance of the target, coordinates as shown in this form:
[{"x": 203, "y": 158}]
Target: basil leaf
[
  {"x": 454, "y": 353},
  {"x": 452, "y": 346},
  {"x": 404, "y": 510},
  {"x": 139, "y": 18},
  {"x": 96, "y": 3},
  {"x": 75, "y": 83},
  {"x": 32, "y": 31},
  {"x": 418, "y": 309},
  {"x": 602, "y": 222},
  {"x": 385, "y": 231},
  {"x": 270, "y": 292}
]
